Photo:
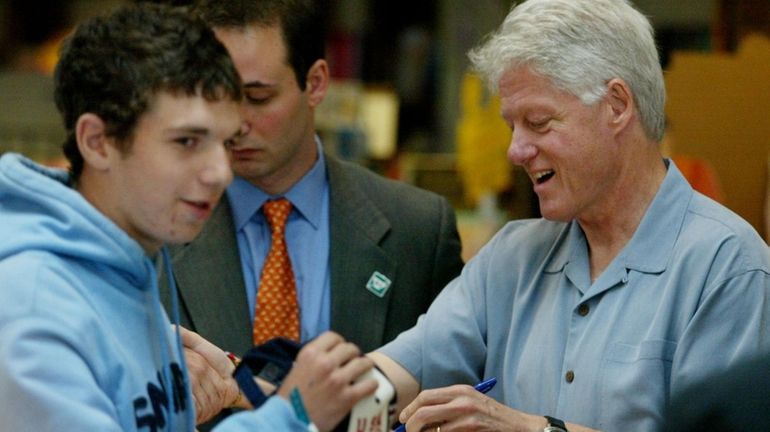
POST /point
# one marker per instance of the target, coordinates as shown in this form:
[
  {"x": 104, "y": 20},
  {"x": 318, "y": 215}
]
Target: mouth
[
  {"x": 245, "y": 153},
  {"x": 541, "y": 177},
  {"x": 201, "y": 209}
]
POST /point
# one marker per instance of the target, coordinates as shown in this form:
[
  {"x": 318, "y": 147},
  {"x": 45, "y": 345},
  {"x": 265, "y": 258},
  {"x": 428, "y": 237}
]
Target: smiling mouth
[
  {"x": 543, "y": 176},
  {"x": 204, "y": 206},
  {"x": 201, "y": 205}
]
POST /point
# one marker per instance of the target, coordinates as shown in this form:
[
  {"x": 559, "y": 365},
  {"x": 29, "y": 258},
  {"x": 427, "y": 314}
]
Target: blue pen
[
  {"x": 481, "y": 387},
  {"x": 485, "y": 386}
]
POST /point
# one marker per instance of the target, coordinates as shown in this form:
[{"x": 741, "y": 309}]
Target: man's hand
[
  {"x": 462, "y": 408},
  {"x": 323, "y": 373},
  {"x": 213, "y": 386}
]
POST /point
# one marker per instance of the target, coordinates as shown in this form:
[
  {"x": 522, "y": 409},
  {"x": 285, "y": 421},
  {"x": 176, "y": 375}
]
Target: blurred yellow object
[{"x": 482, "y": 141}]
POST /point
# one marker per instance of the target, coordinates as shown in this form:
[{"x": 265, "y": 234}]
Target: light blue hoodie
[{"x": 84, "y": 342}]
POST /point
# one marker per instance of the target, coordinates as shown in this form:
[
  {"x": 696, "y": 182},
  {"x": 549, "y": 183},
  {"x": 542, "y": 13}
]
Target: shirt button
[
  {"x": 583, "y": 309},
  {"x": 569, "y": 376}
]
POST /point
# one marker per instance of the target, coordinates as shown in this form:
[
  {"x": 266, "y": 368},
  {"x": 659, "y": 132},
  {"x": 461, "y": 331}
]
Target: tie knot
[{"x": 276, "y": 212}]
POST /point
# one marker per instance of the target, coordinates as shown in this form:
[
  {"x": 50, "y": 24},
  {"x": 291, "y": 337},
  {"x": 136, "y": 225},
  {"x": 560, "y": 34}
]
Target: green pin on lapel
[{"x": 378, "y": 284}]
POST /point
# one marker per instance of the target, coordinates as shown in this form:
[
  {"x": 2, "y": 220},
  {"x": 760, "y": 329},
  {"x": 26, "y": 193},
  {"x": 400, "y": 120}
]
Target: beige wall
[{"x": 719, "y": 107}]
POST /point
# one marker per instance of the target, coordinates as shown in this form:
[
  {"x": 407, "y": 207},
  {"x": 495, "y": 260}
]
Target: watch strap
[
  {"x": 554, "y": 425},
  {"x": 248, "y": 386},
  {"x": 270, "y": 361}
]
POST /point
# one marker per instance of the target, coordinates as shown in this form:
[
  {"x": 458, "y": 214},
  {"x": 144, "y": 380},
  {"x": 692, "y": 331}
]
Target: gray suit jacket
[{"x": 407, "y": 234}]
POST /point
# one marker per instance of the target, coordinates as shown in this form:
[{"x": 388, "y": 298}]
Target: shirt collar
[
  {"x": 653, "y": 241},
  {"x": 306, "y": 195}
]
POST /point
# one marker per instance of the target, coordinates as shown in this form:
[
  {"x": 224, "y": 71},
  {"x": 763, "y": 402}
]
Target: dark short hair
[
  {"x": 300, "y": 21},
  {"x": 113, "y": 66}
]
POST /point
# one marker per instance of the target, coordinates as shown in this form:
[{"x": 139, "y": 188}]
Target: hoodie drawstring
[{"x": 175, "y": 320}]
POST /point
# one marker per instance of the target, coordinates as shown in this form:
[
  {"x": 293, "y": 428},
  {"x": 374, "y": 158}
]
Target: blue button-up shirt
[
  {"x": 307, "y": 239},
  {"x": 688, "y": 296}
]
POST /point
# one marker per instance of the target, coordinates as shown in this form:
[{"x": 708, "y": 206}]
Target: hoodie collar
[{"x": 42, "y": 212}]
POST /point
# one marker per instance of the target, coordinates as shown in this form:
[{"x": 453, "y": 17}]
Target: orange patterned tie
[{"x": 277, "y": 313}]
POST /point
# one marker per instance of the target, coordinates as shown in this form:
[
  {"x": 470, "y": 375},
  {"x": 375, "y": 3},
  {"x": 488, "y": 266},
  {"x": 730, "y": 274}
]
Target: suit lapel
[
  {"x": 357, "y": 227},
  {"x": 211, "y": 264}
]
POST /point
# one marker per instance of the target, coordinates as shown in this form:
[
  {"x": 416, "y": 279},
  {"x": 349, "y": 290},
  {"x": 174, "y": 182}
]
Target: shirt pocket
[{"x": 635, "y": 382}]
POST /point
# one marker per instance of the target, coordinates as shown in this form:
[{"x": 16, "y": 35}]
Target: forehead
[
  {"x": 522, "y": 89},
  {"x": 255, "y": 50},
  {"x": 172, "y": 110}
]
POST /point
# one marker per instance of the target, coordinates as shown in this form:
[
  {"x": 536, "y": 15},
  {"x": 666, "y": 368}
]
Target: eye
[
  {"x": 538, "y": 124},
  {"x": 257, "y": 99},
  {"x": 187, "y": 142}
]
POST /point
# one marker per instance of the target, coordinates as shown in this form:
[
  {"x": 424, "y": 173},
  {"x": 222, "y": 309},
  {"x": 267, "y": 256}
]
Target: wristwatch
[{"x": 554, "y": 425}]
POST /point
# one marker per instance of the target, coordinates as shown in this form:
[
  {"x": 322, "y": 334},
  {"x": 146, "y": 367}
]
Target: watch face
[{"x": 553, "y": 429}]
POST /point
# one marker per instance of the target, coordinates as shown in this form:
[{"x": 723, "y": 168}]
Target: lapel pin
[{"x": 378, "y": 284}]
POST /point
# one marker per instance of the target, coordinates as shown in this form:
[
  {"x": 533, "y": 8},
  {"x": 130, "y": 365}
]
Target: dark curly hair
[
  {"x": 113, "y": 66},
  {"x": 301, "y": 23}
]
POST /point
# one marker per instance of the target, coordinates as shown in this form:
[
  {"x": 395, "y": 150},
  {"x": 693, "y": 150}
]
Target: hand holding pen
[{"x": 482, "y": 387}]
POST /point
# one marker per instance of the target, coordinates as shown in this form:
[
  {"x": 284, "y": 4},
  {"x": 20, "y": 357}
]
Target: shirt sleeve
[{"x": 448, "y": 344}]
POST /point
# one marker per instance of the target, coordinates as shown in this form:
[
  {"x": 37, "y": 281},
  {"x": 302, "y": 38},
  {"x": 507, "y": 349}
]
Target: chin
[
  {"x": 555, "y": 215},
  {"x": 248, "y": 170},
  {"x": 180, "y": 238}
]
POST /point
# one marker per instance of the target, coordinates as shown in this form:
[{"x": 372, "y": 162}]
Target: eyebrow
[
  {"x": 189, "y": 129},
  {"x": 201, "y": 131}
]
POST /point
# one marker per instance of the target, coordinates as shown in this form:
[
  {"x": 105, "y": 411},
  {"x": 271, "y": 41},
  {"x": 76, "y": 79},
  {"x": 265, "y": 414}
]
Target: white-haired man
[{"x": 631, "y": 286}]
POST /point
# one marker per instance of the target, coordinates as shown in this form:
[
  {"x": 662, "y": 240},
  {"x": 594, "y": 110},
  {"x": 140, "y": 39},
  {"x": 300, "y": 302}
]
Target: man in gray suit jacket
[
  {"x": 368, "y": 254},
  {"x": 406, "y": 234}
]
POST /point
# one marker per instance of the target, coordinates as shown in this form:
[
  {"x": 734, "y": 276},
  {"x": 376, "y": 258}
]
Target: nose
[
  {"x": 217, "y": 171},
  {"x": 521, "y": 150}
]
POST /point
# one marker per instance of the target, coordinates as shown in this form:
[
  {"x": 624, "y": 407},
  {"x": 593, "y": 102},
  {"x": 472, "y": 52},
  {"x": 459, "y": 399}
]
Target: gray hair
[{"x": 579, "y": 45}]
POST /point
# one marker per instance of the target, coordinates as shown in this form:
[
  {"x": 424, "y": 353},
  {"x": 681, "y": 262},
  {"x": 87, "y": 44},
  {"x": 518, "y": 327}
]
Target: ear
[
  {"x": 91, "y": 135},
  {"x": 620, "y": 102},
  {"x": 317, "y": 82}
]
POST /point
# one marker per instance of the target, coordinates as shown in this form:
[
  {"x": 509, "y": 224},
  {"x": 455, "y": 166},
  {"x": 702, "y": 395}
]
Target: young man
[
  {"x": 632, "y": 286},
  {"x": 150, "y": 102}
]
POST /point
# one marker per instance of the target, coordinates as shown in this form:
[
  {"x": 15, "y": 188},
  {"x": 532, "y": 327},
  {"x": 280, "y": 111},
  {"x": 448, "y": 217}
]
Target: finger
[
  {"x": 208, "y": 398},
  {"x": 212, "y": 354},
  {"x": 207, "y": 386},
  {"x": 361, "y": 389},
  {"x": 430, "y": 417},
  {"x": 325, "y": 342},
  {"x": 343, "y": 353},
  {"x": 452, "y": 407},
  {"x": 190, "y": 339},
  {"x": 356, "y": 367},
  {"x": 354, "y": 388},
  {"x": 431, "y": 397},
  {"x": 204, "y": 387},
  {"x": 218, "y": 360}
]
